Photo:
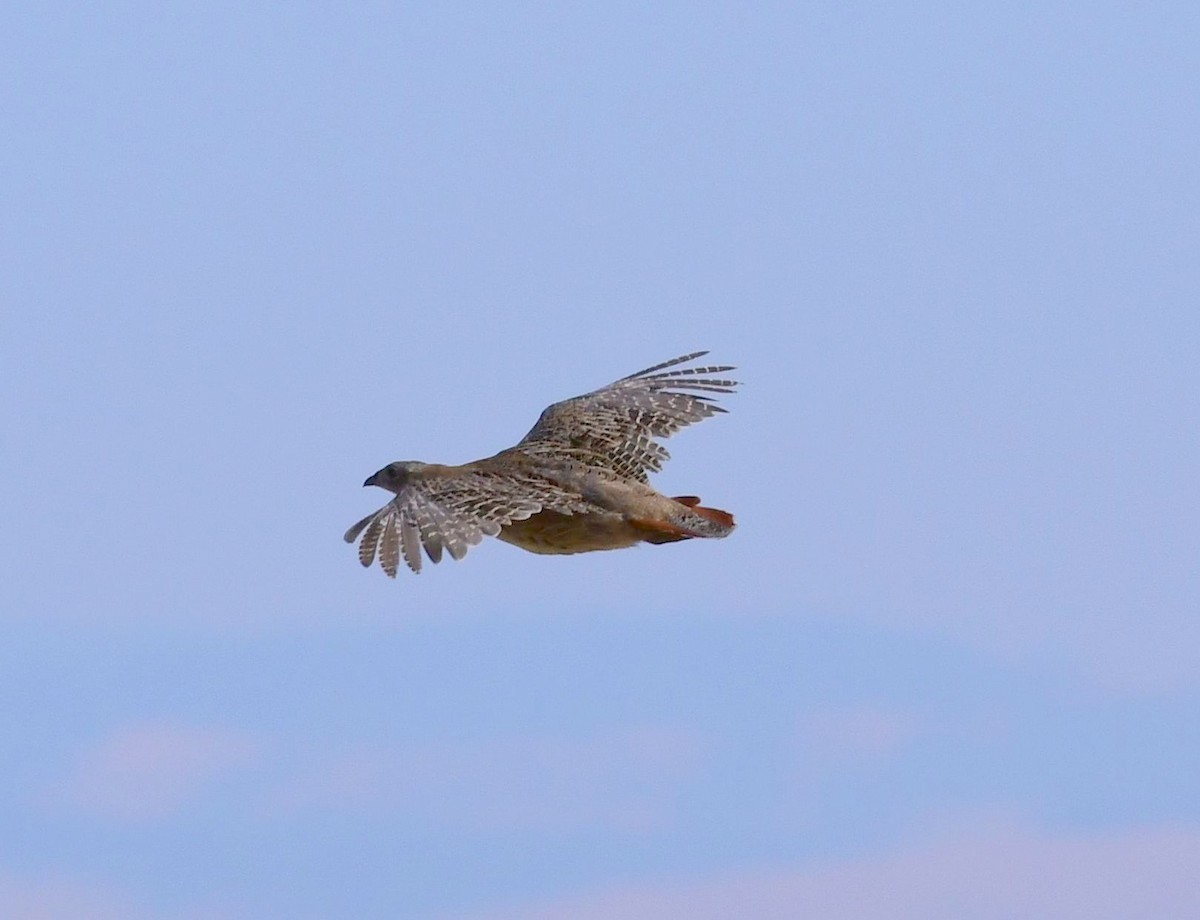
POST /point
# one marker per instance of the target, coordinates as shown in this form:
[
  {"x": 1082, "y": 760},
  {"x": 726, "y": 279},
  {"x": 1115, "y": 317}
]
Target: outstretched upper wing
[
  {"x": 614, "y": 427},
  {"x": 452, "y": 513}
]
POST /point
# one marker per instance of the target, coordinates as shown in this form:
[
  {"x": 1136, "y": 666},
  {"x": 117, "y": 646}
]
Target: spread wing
[
  {"x": 614, "y": 428},
  {"x": 452, "y": 513}
]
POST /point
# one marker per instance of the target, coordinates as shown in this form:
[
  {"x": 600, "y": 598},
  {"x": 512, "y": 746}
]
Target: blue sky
[{"x": 948, "y": 664}]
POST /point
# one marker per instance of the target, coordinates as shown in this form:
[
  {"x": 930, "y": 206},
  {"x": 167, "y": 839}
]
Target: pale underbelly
[{"x": 551, "y": 532}]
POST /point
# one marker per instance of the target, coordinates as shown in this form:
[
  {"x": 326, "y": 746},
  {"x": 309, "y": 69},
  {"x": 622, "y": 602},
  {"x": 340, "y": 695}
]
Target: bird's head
[{"x": 393, "y": 476}]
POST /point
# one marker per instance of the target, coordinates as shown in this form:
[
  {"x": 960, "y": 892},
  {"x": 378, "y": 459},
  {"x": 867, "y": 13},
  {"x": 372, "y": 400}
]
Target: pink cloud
[
  {"x": 1126, "y": 876},
  {"x": 623, "y": 780},
  {"x": 148, "y": 772}
]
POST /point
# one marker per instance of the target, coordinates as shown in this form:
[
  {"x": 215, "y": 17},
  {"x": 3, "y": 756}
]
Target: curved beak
[{"x": 370, "y": 480}]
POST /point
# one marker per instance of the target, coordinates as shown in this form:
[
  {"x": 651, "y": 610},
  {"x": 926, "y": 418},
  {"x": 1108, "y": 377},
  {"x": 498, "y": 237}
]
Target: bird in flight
[{"x": 577, "y": 482}]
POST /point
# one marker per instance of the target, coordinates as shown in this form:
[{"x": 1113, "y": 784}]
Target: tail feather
[
  {"x": 697, "y": 521},
  {"x": 717, "y": 517}
]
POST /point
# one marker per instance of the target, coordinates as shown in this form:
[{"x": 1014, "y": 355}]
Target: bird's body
[{"x": 576, "y": 483}]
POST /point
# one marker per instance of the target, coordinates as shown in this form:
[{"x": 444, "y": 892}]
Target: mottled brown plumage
[{"x": 577, "y": 482}]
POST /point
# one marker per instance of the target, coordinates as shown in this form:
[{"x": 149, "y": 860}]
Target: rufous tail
[
  {"x": 689, "y": 520},
  {"x": 694, "y": 520}
]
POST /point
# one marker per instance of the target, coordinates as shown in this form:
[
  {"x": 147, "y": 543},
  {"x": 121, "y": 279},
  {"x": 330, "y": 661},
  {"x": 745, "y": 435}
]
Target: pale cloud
[
  {"x": 829, "y": 743},
  {"x": 149, "y": 772},
  {"x": 51, "y": 896},
  {"x": 859, "y": 733},
  {"x": 58, "y": 895},
  {"x": 623, "y": 780},
  {"x": 1007, "y": 874}
]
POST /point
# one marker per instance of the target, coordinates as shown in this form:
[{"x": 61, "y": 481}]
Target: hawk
[{"x": 577, "y": 482}]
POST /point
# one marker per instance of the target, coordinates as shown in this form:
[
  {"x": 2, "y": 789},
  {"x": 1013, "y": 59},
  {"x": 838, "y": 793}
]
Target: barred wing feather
[
  {"x": 450, "y": 514},
  {"x": 614, "y": 428}
]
